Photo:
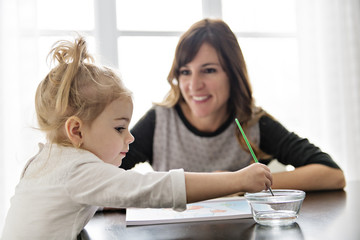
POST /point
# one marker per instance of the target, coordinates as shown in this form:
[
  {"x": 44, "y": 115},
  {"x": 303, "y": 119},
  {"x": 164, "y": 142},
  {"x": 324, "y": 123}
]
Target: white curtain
[
  {"x": 329, "y": 50},
  {"x": 18, "y": 80}
]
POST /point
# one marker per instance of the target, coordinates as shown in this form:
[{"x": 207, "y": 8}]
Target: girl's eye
[{"x": 120, "y": 129}]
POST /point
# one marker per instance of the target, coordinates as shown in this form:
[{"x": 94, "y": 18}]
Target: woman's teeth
[{"x": 202, "y": 98}]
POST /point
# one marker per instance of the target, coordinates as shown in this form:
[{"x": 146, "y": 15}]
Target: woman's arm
[
  {"x": 311, "y": 177},
  {"x": 314, "y": 169}
]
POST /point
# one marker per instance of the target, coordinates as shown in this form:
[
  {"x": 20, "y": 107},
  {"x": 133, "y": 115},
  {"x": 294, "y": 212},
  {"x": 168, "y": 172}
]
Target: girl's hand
[
  {"x": 255, "y": 177},
  {"x": 202, "y": 186}
]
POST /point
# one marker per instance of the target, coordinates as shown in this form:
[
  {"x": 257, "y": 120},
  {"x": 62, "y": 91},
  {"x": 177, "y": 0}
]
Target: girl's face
[
  {"x": 109, "y": 137},
  {"x": 204, "y": 84}
]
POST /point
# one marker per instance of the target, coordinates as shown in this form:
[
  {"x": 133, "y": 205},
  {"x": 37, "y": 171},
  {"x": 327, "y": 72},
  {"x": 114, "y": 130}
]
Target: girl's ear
[{"x": 73, "y": 127}]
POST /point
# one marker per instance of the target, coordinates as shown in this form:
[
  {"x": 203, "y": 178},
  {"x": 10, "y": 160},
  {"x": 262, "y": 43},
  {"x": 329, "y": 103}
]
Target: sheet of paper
[{"x": 216, "y": 209}]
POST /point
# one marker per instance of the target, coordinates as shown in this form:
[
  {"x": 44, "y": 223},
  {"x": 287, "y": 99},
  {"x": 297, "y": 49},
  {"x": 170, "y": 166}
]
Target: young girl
[{"x": 85, "y": 111}]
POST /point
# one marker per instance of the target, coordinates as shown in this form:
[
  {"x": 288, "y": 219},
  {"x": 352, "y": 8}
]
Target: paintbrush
[{"x": 249, "y": 146}]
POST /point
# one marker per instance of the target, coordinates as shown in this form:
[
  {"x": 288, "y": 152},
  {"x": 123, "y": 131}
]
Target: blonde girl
[{"x": 85, "y": 111}]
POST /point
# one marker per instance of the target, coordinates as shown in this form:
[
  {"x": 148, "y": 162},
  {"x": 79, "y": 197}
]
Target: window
[
  {"x": 266, "y": 32},
  {"x": 139, "y": 37},
  {"x": 148, "y": 32},
  {"x": 157, "y": 15}
]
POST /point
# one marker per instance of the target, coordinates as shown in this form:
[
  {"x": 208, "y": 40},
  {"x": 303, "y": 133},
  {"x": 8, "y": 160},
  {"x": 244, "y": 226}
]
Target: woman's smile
[{"x": 202, "y": 98}]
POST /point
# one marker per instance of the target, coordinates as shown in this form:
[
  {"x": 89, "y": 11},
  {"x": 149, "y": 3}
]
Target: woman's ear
[{"x": 73, "y": 127}]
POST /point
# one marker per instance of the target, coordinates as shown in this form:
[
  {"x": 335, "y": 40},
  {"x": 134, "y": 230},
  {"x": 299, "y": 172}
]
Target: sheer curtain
[
  {"x": 18, "y": 81},
  {"x": 329, "y": 50}
]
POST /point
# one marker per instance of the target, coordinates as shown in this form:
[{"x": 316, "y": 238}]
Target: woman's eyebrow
[
  {"x": 203, "y": 65},
  {"x": 208, "y": 64}
]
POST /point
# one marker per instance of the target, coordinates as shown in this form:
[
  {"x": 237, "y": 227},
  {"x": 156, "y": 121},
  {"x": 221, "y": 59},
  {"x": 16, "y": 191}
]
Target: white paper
[{"x": 216, "y": 209}]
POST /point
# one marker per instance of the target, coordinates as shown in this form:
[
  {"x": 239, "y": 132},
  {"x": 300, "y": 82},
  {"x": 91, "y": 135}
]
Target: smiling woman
[
  {"x": 205, "y": 88},
  {"x": 210, "y": 87}
]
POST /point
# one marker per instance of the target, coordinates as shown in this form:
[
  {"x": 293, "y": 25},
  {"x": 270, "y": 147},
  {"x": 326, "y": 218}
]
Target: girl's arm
[
  {"x": 90, "y": 181},
  {"x": 202, "y": 186}
]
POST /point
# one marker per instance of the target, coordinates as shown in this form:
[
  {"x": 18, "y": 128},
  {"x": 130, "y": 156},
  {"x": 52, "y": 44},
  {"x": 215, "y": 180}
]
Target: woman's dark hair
[{"x": 219, "y": 35}]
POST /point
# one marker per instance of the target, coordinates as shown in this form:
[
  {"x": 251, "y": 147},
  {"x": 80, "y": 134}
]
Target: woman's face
[{"x": 204, "y": 84}]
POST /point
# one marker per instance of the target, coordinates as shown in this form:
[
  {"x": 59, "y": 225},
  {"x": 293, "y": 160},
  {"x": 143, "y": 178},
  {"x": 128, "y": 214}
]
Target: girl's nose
[{"x": 130, "y": 139}]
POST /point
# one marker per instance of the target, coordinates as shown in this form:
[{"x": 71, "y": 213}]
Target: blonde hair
[{"x": 74, "y": 87}]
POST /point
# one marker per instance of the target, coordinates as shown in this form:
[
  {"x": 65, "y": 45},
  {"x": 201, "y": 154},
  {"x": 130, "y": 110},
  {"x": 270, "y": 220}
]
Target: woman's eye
[
  {"x": 209, "y": 70},
  {"x": 120, "y": 129},
  {"x": 184, "y": 72}
]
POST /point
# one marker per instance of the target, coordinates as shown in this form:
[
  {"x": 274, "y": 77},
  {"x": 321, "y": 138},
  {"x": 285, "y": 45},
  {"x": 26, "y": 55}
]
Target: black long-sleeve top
[{"x": 275, "y": 140}]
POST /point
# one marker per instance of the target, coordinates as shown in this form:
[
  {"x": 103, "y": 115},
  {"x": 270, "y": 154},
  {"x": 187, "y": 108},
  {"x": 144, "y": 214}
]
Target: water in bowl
[
  {"x": 278, "y": 218},
  {"x": 279, "y": 210}
]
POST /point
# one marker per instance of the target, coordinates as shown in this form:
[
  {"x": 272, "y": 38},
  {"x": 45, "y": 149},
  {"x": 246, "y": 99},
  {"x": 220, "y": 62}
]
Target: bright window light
[
  {"x": 157, "y": 15},
  {"x": 144, "y": 65},
  {"x": 260, "y": 15},
  {"x": 65, "y": 14}
]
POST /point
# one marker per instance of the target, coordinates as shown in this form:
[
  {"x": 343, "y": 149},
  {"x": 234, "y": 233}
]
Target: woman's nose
[{"x": 196, "y": 82}]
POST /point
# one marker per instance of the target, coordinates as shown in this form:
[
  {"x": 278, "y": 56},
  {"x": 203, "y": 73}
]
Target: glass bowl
[{"x": 279, "y": 210}]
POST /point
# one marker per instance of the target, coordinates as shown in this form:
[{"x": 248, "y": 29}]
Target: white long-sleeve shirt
[{"x": 62, "y": 187}]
